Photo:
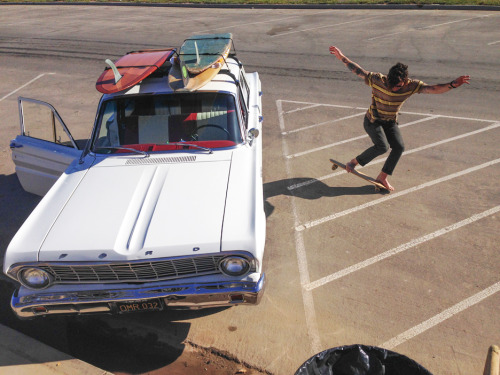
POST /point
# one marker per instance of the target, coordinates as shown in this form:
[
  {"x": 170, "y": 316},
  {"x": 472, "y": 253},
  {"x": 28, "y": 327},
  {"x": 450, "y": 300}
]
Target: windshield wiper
[
  {"x": 187, "y": 144},
  {"x": 123, "y": 148}
]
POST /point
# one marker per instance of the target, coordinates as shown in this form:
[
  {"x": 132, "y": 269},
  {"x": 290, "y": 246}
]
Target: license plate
[{"x": 146, "y": 305}]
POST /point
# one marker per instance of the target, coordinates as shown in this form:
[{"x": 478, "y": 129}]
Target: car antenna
[{"x": 118, "y": 76}]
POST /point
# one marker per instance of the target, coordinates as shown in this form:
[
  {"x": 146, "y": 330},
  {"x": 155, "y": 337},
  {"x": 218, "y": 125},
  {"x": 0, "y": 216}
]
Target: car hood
[{"x": 150, "y": 210}]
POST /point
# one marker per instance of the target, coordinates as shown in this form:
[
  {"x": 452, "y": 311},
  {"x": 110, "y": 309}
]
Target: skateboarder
[{"x": 388, "y": 95}]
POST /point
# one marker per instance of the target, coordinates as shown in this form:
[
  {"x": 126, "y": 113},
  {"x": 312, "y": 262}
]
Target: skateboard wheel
[{"x": 334, "y": 166}]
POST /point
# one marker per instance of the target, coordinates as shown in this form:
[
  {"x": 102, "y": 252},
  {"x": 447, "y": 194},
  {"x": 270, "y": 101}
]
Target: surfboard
[
  {"x": 131, "y": 69},
  {"x": 180, "y": 82},
  {"x": 200, "y": 59},
  {"x": 200, "y": 52}
]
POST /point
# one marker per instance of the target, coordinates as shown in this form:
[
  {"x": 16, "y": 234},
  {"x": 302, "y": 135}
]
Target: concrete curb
[
  {"x": 22, "y": 355},
  {"x": 275, "y": 6}
]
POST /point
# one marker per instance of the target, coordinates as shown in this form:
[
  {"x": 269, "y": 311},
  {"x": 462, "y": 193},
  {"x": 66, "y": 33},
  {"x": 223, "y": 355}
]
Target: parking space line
[
  {"x": 321, "y": 104},
  {"x": 307, "y": 299},
  {"x": 336, "y": 215},
  {"x": 354, "y": 138},
  {"x": 450, "y": 22},
  {"x": 258, "y": 22},
  {"x": 314, "y": 180},
  {"x": 399, "y": 249},
  {"x": 301, "y": 109},
  {"x": 23, "y": 86},
  {"x": 321, "y": 124},
  {"x": 441, "y": 317},
  {"x": 338, "y": 24},
  {"x": 427, "y": 27},
  {"x": 307, "y": 286}
]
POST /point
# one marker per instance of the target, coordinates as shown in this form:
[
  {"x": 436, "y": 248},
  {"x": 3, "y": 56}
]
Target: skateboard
[{"x": 378, "y": 185}]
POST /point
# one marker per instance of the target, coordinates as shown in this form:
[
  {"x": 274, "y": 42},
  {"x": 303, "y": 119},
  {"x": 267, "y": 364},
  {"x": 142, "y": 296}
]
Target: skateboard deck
[
  {"x": 132, "y": 69},
  {"x": 378, "y": 185}
]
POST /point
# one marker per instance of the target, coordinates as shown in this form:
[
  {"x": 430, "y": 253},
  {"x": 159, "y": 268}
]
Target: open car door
[{"x": 45, "y": 147}]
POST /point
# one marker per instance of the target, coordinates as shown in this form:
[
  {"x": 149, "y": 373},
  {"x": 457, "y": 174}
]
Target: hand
[
  {"x": 460, "y": 81},
  {"x": 335, "y": 51}
]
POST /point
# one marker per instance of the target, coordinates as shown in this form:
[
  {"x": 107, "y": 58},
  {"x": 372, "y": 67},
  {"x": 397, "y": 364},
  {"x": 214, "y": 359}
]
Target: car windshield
[{"x": 167, "y": 122}]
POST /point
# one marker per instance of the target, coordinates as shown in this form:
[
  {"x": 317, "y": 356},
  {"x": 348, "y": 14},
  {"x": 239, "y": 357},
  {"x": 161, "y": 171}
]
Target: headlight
[
  {"x": 34, "y": 278},
  {"x": 234, "y": 266}
]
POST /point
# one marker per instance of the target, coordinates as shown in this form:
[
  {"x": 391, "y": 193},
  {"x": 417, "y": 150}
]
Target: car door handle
[{"x": 15, "y": 145}]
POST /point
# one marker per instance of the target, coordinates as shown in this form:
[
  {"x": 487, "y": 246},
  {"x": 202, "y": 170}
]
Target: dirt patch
[{"x": 200, "y": 361}]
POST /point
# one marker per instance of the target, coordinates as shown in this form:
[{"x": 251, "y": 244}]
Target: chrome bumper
[{"x": 181, "y": 296}]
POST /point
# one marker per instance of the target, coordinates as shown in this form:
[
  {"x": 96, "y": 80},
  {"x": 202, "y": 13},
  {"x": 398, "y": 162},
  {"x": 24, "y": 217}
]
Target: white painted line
[
  {"x": 449, "y": 117},
  {"x": 336, "y": 215},
  {"x": 399, "y": 249},
  {"x": 426, "y": 27},
  {"x": 450, "y": 22},
  {"x": 338, "y": 24},
  {"x": 323, "y": 104},
  {"x": 321, "y": 124},
  {"x": 302, "y": 109},
  {"x": 441, "y": 317},
  {"x": 352, "y": 139},
  {"x": 402, "y": 112},
  {"x": 243, "y": 24},
  {"x": 388, "y": 35},
  {"x": 314, "y": 180},
  {"x": 23, "y": 86},
  {"x": 307, "y": 299},
  {"x": 259, "y": 22},
  {"x": 493, "y": 43}
]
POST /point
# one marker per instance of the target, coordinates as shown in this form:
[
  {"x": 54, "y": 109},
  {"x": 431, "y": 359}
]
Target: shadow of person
[{"x": 309, "y": 188}]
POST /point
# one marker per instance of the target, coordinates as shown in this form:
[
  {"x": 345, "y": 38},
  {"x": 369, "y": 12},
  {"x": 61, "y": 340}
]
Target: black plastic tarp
[{"x": 360, "y": 360}]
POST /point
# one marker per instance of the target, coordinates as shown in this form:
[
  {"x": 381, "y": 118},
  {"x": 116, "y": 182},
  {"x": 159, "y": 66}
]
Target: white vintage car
[{"x": 163, "y": 206}]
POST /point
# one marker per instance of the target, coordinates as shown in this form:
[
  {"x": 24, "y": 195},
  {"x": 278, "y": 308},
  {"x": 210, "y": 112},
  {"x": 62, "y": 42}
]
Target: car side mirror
[{"x": 252, "y": 134}]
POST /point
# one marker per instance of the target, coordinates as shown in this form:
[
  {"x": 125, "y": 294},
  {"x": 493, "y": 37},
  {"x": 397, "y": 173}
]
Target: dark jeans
[{"x": 383, "y": 135}]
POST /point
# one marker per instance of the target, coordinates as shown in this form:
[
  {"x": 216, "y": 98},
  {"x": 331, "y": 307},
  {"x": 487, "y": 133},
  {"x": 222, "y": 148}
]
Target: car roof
[{"x": 225, "y": 81}]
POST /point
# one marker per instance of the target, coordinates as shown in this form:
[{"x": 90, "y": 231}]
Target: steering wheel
[{"x": 215, "y": 126}]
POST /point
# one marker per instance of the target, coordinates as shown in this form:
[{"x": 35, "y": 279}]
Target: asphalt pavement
[{"x": 421, "y": 279}]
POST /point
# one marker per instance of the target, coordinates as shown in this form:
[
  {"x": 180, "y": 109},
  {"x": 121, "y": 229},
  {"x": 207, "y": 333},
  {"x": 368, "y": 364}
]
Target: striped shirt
[{"x": 385, "y": 103}]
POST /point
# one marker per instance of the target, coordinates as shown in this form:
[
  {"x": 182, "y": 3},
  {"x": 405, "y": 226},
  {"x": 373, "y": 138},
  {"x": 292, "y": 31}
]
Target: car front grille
[{"x": 140, "y": 271}]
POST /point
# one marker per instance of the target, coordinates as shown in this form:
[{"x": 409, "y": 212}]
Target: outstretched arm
[
  {"x": 353, "y": 67},
  {"x": 444, "y": 87}
]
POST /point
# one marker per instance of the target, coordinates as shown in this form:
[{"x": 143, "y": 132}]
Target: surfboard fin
[
  {"x": 117, "y": 74},
  {"x": 197, "y": 53}
]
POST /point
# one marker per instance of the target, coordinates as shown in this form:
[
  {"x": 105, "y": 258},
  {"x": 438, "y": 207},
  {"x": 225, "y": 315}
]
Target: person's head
[{"x": 397, "y": 76}]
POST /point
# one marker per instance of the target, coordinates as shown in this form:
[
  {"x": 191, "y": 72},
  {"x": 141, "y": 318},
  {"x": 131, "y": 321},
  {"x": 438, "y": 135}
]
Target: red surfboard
[{"x": 132, "y": 69}]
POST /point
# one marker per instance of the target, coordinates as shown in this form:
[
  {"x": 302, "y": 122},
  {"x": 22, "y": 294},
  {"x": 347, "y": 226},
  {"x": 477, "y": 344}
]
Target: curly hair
[{"x": 397, "y": 73}]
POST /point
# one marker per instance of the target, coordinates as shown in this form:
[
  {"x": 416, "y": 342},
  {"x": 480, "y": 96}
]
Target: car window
[
  {"x": 245, "y": 90},
  {"x": 40, "y": 120},
  {"x": 147, "y": 121}
]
